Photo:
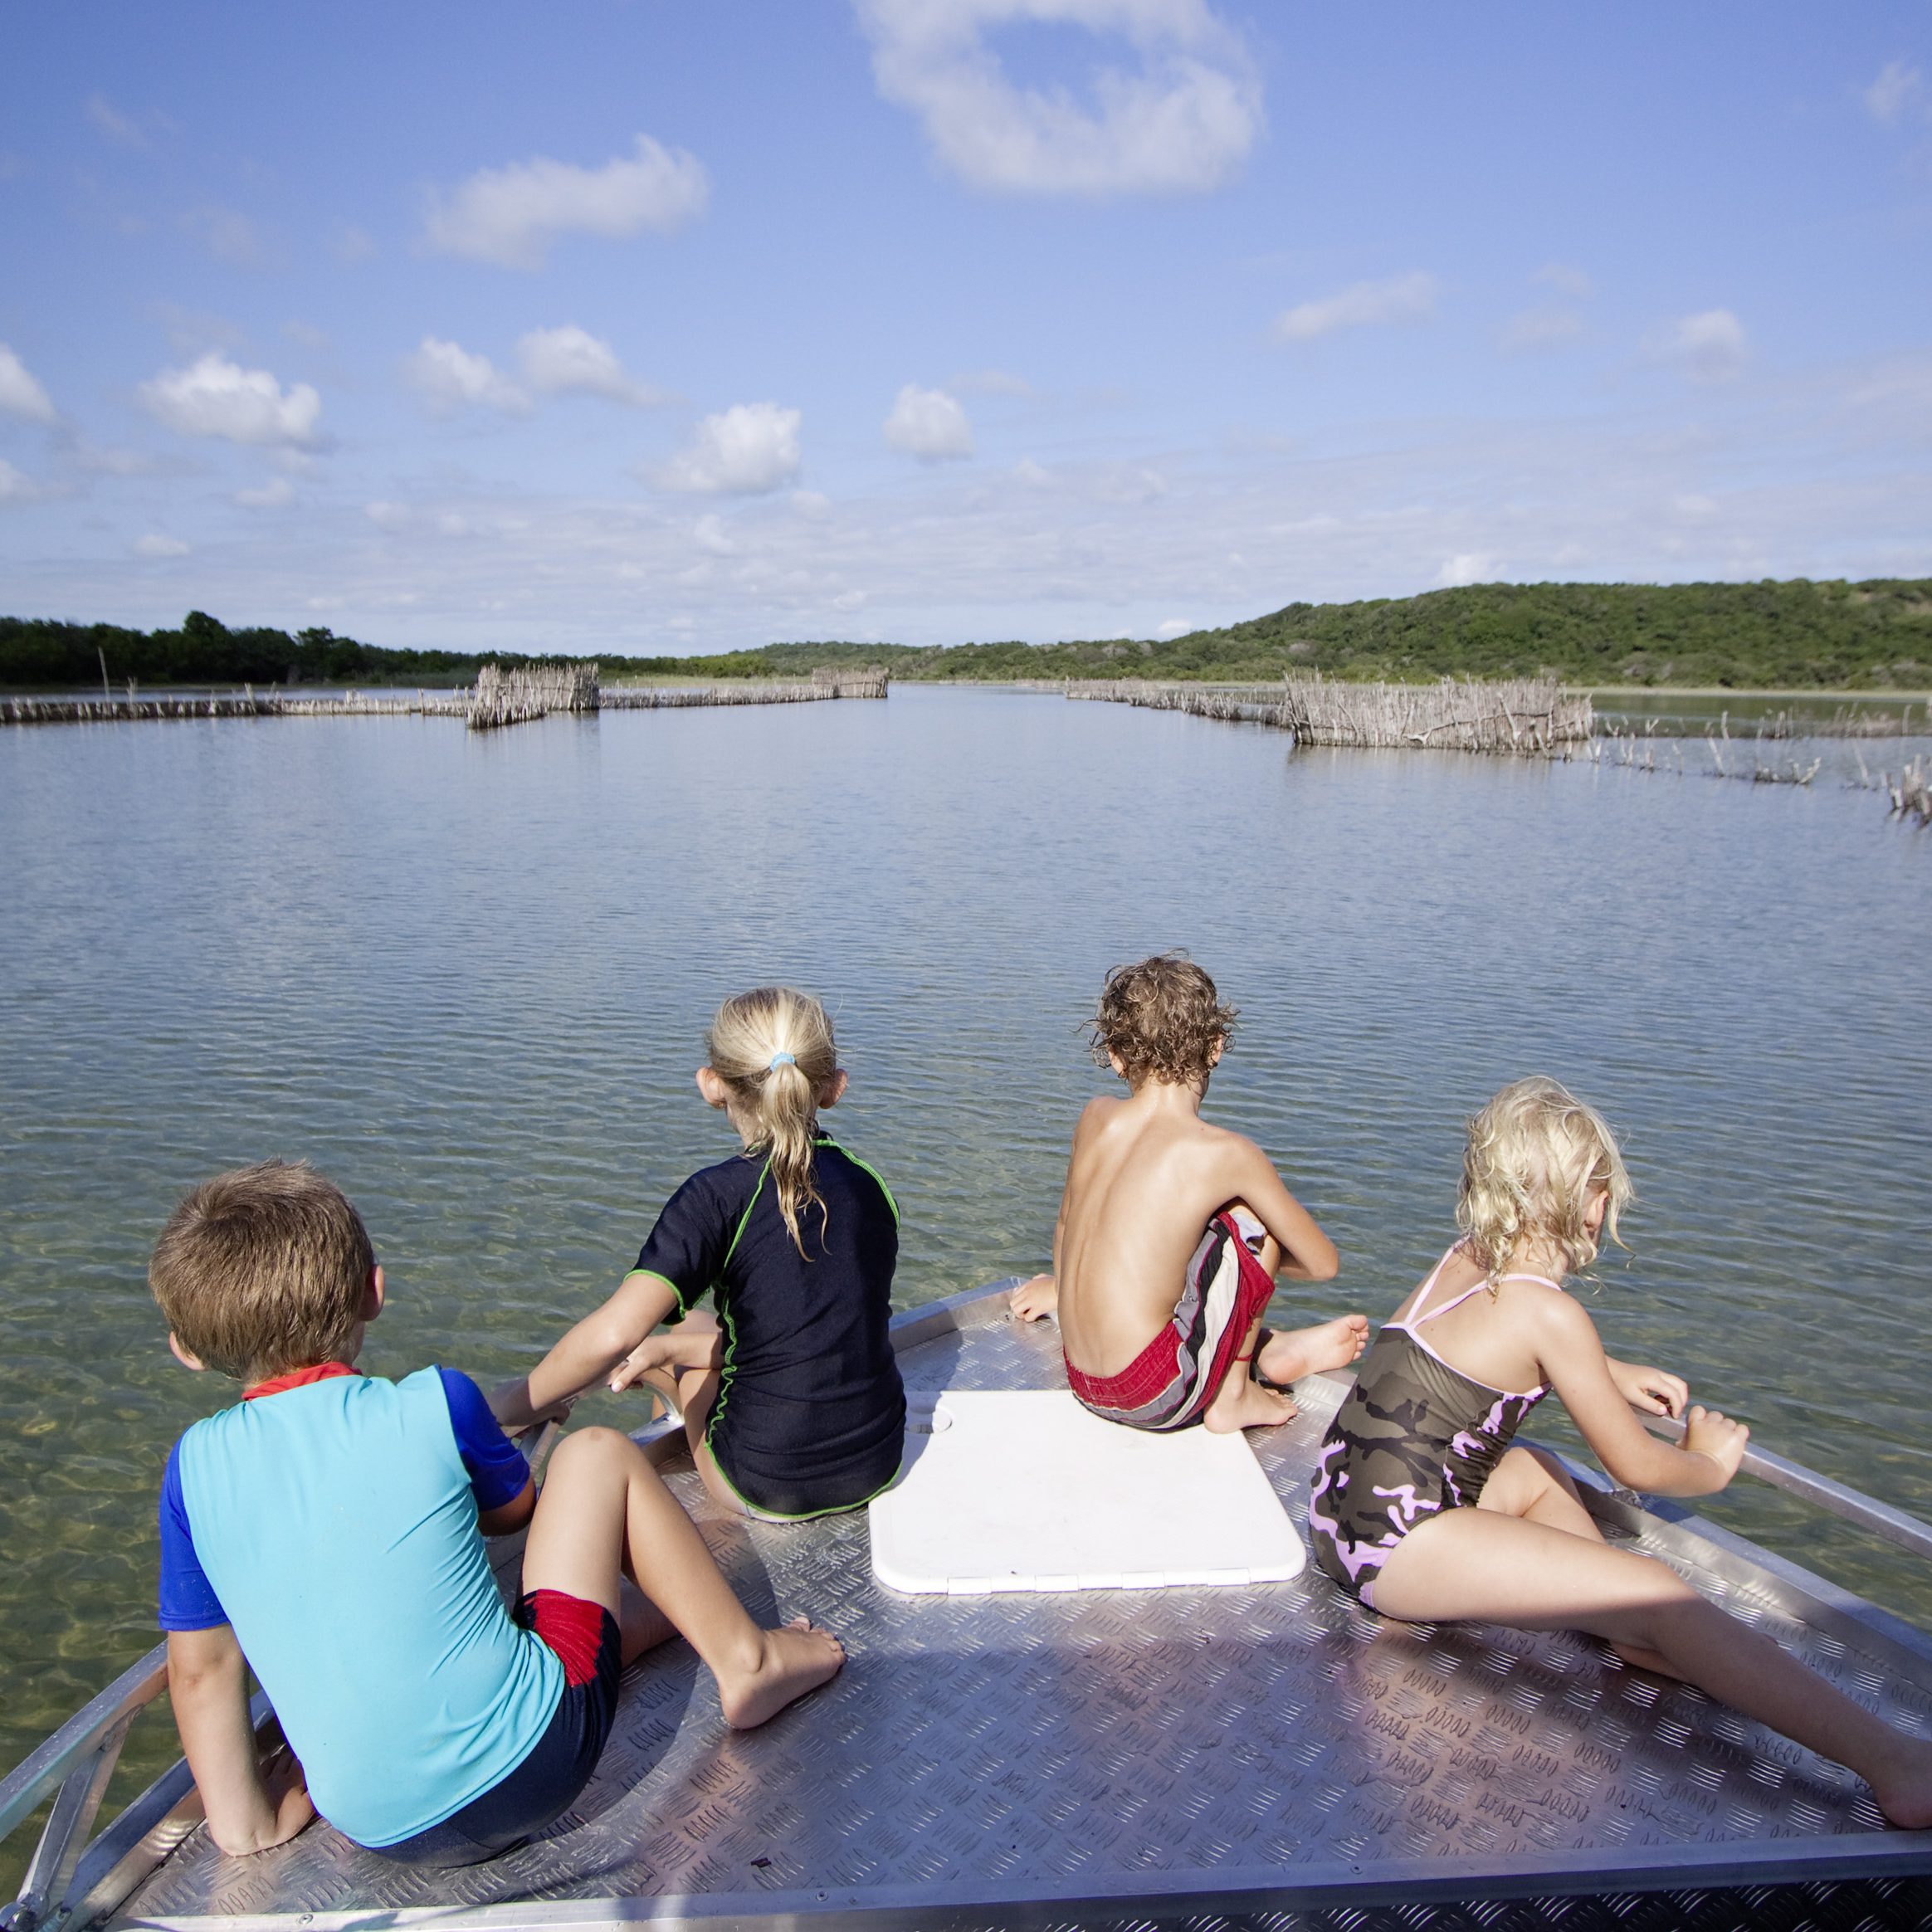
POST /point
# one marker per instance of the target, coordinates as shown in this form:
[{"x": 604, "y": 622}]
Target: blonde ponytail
[{"x": 774, "y": 1049}]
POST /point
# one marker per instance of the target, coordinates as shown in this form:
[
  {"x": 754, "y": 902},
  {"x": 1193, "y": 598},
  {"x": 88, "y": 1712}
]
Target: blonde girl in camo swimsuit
[{"x": 1423, "y": 1509}]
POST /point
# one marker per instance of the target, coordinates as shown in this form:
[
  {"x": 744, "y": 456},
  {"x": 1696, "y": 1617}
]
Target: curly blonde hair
[
  {"x": 1162, "y": 1019},
  {"x": 774, "y": 1049},
  {"x": 1535, "y": 1158}
]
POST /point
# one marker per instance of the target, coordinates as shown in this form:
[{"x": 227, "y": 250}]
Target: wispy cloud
[
  {"x": 217, "y": 397},
  {"x": 511, "y": 216},
  {"x": 991, "y": 383},
  {"x": 20, "y": 394},
  {"x": 15, "y": 486},
  {"x": 1534, "y": 330},
  {"x": 1566, "y": 280},
  {"x": 157, "y": 545},
  {"x": 1403, "y": 298},
  {"x": 929, "y": 424},
  {"x": 1709, "y": 347},
  {"x": 448, "y": 378},
  {"x": 1181, "y": 120},
  {"x": 572, "y": 362},
  {"x": 745, "y": 451},
  {"x": 1899, "y": 89},
  {"x": 228, "y": 235},
  {"x": 276, "y": 494},
  {"x": 108, "y": 120}
]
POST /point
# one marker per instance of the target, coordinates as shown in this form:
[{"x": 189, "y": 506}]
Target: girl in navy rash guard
[{"x": 791, "y": 1396}]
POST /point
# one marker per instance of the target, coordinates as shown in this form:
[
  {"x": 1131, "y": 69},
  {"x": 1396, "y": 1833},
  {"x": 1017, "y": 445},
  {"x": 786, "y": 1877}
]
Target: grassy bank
[{"x": 1794, "y": 637}]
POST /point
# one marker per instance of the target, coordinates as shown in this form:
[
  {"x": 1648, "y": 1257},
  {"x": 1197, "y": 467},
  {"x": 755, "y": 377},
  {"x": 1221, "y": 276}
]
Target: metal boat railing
[{"x": 71, "y": 1881}]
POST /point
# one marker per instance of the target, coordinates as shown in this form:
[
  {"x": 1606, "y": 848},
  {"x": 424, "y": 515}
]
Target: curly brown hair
[{"x": 1162, "y": 1019}]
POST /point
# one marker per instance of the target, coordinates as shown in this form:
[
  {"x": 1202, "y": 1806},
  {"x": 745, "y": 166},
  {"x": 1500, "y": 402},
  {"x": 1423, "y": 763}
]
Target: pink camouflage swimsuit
[{"x": 1413, "y": 1437}]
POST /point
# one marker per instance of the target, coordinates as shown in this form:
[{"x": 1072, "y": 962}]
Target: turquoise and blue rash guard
[
  {"x": 334, "y": 1524},
  {"x": 811, "y": 1413}
]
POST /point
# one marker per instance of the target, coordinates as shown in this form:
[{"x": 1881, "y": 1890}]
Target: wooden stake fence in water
[{"x": 1513, "y": 717}]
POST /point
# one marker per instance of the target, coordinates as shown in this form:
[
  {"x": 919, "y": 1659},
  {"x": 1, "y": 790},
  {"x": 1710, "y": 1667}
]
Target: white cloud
[
  {"x": 745, "y": 451},
  {"x": 216, "y": 397},
  {"x": 1034, "y": 476},
  {"x": 155, "y": 544},
  {"x": 307, "y": 335},
  {"x": 811, "y": 504},
  {"x": 113, "y": 123},
  {"x": 449, "y": 378},
  {"x": 1467, "y": 566},
  {"x": 14, "y": 487},
  {"x": 929, "y": 424},
  {"x": 1403, "y": 298},
  {"x": 272, "y": 495},
  {"x": 1175, "y": 627},
  {"x": 511, "y": 216},
  {"x": 571, "y": 361},
  {"x": 20, "y": 394},
  {"x": 352, "y": 244},
  {"x": 1898, "y": 88},
  {"x": 711, "y": 535},
  {"x": 1709, "y": 347},
  {"x": 1566, "y": 280},
  {"x": 1180, "y": 121},
  {"x": 1538, "y": 329},
  {"x": 392, "y": 516}
]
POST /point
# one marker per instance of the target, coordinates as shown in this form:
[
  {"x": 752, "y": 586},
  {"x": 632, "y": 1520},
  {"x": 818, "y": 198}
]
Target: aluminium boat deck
[{"x": 1119, "y": 1758}]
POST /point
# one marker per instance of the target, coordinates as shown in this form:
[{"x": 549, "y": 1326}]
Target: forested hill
[{"x": 1781, "y": 636}]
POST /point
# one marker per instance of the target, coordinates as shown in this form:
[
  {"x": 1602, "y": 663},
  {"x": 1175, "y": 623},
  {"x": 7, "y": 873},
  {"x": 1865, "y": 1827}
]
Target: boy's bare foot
[
  {"x": 798, "y": 1658},
  {"x": 1244, "y": 1404},
  {"x": 1035, "y": 1299},
  {"x": 1287, "y": 1357}
]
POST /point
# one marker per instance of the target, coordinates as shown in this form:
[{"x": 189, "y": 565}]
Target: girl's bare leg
[
  {"x": 1536, "y": 1486},
  {"x": 604, "y": 1513},
  {"x": 1483, "y": 1565}
]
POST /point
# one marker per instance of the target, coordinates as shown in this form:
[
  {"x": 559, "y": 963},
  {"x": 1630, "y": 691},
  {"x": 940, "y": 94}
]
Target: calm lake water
[{"x": 468, "y": 976}]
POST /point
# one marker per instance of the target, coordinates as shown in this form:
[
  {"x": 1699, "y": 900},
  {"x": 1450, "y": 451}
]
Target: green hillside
[{"x": 1797, "y": 635}]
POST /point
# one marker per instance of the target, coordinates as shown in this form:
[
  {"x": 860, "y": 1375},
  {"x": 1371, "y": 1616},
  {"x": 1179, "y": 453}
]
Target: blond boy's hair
[
  {"x": 262, "y": 1270},
  {"x": 773, "y": 1047},
  {"x": 1535, "y": 1158},
  {"x": 1162, "y": 1019}
]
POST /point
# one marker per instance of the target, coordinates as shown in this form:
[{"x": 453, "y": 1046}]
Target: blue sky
[{"x": 634, "y": 327}]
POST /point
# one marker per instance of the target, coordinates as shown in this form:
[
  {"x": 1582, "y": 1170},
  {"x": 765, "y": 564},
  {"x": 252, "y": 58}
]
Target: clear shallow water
[{"x": 468, "y": 977}]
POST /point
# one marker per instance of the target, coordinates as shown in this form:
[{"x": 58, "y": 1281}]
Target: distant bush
[{"x": 1796, "y": 635}]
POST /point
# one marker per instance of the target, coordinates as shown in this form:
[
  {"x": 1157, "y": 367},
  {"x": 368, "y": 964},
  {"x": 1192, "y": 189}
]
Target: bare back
[{"x": 1146, "y": 1176}]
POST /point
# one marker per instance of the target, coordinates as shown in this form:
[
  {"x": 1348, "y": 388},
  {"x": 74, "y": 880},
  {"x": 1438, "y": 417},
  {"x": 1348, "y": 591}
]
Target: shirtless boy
[{"x": 1172, "y": 1231}]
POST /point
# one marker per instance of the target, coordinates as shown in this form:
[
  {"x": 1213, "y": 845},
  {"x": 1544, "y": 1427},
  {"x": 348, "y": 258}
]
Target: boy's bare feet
[
  {"x": 1285, "y": 1358},
  {"x": 1244, "y": 1404},
  {"x": 798, "y": 1658}
]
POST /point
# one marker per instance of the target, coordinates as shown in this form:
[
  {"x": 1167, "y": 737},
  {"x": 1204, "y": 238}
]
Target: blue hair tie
[{"x": 778, "y": 1059}]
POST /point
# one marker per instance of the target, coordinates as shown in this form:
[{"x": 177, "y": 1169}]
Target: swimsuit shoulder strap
[
  {"x": 1457, "y": 1301},
  {"x": 1427, "y": 1289}
]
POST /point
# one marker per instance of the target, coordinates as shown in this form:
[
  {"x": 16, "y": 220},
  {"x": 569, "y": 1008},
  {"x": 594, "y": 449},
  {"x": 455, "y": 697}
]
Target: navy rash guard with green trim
[{"x": 811, "y": 1413}]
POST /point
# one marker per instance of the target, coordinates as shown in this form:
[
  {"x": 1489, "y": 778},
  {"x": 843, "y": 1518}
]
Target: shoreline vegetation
[{"x": 1798, "y": 636}]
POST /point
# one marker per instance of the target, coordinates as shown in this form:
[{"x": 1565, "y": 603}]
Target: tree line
[{"x": 1795, "y": 635}]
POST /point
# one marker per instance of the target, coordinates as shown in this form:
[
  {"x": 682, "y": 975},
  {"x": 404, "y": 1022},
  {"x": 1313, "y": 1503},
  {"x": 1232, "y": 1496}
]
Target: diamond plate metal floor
[{"x": 1028, "y": 1747}]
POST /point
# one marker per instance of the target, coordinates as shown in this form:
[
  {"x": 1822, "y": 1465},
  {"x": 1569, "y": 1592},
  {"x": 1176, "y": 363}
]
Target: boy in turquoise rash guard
[{"x": 327, "y": 1532}]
